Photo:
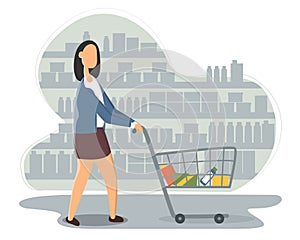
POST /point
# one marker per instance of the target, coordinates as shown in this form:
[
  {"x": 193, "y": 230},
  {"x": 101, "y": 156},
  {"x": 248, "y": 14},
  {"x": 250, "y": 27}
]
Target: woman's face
[{"x": 89, "y": 56}]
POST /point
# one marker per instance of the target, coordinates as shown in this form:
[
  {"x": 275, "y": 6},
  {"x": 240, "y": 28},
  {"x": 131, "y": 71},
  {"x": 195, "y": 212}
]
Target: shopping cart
[{"x": 183, "y": 169}]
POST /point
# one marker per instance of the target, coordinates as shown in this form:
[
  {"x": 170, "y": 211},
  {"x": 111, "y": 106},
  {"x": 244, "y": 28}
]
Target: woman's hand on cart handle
[{"x": 138, "y": 127}]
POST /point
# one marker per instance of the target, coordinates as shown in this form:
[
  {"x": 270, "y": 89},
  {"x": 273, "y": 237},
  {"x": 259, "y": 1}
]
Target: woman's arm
[
  {"x": 112, "y": 115},
  {"x": 116, "y": 115},
  {"x": 112, "y": 108},
  {"x": 107, "y": 111},
  {"x": 105, "y": 108}
]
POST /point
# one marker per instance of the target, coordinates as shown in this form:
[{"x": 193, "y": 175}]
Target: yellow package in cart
[{"x": 217, "y": 181}]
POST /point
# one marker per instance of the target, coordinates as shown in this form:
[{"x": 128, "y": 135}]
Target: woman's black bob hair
[{"x": 78, "y": 66}]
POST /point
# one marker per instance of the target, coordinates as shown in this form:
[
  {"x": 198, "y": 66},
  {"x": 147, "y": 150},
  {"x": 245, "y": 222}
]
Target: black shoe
[
  {"x": 116, "y": 219},
  {"x": 74, "y": 222}
]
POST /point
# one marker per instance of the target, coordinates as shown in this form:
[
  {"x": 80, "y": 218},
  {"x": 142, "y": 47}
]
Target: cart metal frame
[{"x": 180, "y": 217}]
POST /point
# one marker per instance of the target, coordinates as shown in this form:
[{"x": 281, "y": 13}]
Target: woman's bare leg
[
  {"x": 108, "y": 171},
  {"x": 84, "y": 168}
]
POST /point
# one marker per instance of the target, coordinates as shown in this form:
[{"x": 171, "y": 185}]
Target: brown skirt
[{"x": 92, "y": 145}]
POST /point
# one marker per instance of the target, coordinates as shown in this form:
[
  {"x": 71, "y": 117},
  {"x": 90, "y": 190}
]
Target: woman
[{"x": 91, "y": 145}]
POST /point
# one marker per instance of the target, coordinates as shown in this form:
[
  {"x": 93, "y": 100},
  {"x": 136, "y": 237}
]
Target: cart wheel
[
  {"x": 179, "y": 218},
  {"x": 219, "y": 218}
]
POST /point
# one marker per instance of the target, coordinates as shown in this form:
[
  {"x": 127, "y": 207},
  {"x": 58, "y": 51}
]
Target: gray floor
[{"x": 150, "y": 211}]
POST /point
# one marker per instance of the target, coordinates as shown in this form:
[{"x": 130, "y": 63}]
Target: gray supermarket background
[{"x": 220, "y": 107}]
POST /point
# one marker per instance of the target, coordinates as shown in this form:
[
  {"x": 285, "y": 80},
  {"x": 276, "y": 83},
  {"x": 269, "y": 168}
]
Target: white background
[{"x": 261, "y": 34}]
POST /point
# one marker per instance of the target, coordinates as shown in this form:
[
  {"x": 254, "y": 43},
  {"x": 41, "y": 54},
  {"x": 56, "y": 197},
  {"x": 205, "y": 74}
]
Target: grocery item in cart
[
  {"x": 168, "y": 172},
  {"x": 220, "y": 181},
  {"x": 177, "y": 179},
  {"x": 209, "y": 175},
  {"x": 182, "y": 179}
]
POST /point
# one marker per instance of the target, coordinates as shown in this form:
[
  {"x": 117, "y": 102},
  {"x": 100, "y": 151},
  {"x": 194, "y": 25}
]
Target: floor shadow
[
  {"x": 150, "y": 211},
  {"x": 91, "y": 221},
  {"x": 230, "y": 219}
]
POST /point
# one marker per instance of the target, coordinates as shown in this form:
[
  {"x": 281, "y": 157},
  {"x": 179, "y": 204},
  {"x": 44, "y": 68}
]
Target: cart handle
[
  {"x": 148, "y": 139},
  {"x": 146, "y": 134}
]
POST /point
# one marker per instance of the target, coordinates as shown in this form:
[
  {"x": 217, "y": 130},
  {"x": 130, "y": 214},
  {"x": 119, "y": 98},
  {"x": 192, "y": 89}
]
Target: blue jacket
[{"x": 87, "y": 106}]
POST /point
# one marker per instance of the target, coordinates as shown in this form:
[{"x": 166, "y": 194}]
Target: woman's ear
[{"x": 80, "y": 54}]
